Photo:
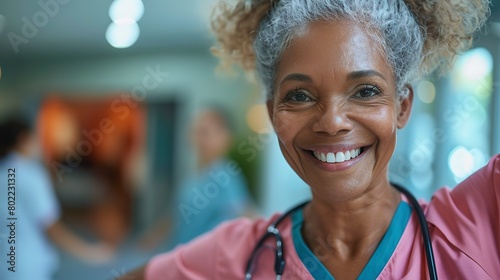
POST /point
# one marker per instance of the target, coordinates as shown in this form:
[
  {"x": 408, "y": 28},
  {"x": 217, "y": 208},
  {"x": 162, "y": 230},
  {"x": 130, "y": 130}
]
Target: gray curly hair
[
  {"x": 402, "y": 40},
  {"x": 416, "y": 36}
]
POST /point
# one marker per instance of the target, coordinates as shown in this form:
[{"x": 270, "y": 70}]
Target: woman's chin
[{"x": 341, "y": 190}]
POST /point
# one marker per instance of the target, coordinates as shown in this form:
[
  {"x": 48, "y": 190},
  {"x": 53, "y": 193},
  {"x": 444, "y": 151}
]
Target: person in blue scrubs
[{"x": 218, "y": 191}]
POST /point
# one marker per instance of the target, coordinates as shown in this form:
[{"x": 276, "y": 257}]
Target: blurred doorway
[{"x": 91, "y": 146}]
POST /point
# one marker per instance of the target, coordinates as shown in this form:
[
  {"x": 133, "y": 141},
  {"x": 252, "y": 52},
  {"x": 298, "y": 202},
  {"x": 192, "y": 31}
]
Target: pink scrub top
[{"x": 464, "y": 224}]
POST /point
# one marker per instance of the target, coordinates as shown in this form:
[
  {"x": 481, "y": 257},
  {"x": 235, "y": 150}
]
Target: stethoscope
[{"x": 279, "y": 263}]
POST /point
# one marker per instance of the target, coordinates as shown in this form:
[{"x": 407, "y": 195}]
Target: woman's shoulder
[
  {"x": 468, "y": 217},
  {"x": 478, "y": 194},
  {"x": 207, "y": 256}
]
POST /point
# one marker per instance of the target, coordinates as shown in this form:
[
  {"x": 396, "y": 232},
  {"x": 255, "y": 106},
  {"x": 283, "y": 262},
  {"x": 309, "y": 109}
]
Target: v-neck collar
[{"x": 377, "y": 261}]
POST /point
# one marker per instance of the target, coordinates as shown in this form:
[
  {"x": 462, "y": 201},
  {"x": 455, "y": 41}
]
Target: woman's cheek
[
  {"x": 379, "y": 120},
  {"x": 283, "y": 126},
  {"x": 384, "y": 124}
]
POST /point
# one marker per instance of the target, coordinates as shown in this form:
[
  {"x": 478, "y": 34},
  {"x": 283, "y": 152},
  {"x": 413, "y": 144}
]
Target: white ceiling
[{"x": 79, "y": 27}]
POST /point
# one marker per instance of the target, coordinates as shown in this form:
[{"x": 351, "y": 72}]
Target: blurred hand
[
  {"x": 98, "y": 253},
  {"x": 73, "y": 244}
]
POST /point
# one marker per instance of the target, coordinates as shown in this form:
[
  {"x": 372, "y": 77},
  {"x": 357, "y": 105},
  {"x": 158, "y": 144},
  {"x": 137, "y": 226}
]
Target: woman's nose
[{"x": 332, "y": 119}]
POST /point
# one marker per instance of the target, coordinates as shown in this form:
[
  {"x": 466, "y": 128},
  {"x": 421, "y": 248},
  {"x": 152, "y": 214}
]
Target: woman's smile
[{"x": 337, "y": 157}]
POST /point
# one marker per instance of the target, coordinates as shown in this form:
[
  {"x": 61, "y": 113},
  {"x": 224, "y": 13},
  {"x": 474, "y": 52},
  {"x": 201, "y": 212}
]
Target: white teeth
[
  {"x": 337, "y": 157},
  {"x": 330, "y": 158},
  {"x": 340, "y": 157}
]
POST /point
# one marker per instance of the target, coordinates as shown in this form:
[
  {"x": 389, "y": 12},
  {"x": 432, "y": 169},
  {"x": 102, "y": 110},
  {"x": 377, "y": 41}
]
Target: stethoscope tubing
[{"x": 429, "y": 252}]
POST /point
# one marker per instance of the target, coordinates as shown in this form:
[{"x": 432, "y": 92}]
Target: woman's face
[{"x": 336, "y": 98}]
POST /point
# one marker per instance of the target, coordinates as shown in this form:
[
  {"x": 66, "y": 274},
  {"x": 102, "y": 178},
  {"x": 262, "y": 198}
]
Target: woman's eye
[
  {"x": 368, "y": 92},
  {"x": 297, "y": 96}
]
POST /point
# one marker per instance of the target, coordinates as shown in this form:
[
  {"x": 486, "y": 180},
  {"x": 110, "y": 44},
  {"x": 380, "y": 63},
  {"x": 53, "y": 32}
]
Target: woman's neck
[{"x": 353, "y": 229}]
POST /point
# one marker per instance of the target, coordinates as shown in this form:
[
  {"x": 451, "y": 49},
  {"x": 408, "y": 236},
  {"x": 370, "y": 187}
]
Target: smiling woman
[
  {"x": 338, "y": 77},
  {"x": 347, "y": 102}
]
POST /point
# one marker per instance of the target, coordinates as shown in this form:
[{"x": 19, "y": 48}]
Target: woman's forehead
[{"x": 339, "y": 47}]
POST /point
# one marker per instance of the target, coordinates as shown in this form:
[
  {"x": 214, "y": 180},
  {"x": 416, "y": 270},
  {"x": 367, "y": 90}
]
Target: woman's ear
[{"x": 405, "y": 103}]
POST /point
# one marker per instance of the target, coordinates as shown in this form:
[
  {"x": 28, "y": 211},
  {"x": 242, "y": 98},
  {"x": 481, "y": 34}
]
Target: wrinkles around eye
[{"x": 298, "y": 96}]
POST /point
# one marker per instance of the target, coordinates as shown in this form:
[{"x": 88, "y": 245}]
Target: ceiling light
[
  {"x": 123, "y": 34},
  {"x": 126, "y": 10}
]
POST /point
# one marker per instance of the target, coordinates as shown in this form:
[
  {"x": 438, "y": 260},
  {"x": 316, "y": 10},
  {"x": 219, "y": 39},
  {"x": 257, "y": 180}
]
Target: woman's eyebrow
[
  {"x": 296, "y": 77},
  {"x": 351, "y": 76},
  {"x": 363, "y": 74}
]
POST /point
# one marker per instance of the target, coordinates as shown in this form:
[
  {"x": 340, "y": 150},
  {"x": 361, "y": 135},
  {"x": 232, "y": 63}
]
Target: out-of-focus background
[{"x": 123, "y": 95}]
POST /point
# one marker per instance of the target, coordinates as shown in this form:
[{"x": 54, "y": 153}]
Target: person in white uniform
[{"x": 30, "y": 227}]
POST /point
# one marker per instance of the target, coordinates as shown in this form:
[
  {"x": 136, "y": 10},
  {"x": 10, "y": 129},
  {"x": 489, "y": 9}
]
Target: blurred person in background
[
  {"x": 216, "y": 193},
  {"x": 37, "y": 210}
]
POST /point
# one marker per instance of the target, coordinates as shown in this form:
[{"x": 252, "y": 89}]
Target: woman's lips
[{"x": 337, "y": 161}]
